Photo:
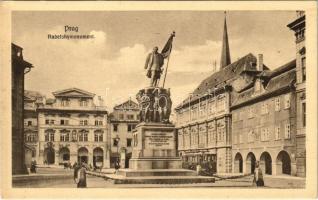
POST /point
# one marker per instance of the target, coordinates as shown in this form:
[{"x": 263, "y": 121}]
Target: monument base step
[
  {"x": 156, "y": 172},
  {"x": 119, "y": 179}
]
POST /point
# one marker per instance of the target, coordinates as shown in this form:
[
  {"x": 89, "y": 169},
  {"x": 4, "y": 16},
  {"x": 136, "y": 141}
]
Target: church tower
[{"x": 225, "y": 56}]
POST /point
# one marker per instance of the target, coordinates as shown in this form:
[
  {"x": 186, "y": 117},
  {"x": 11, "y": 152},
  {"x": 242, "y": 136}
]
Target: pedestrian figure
[
  {"x": 117, "y": 166},
  {"x": 258, "y": 176},
  {"x": 81, "y": 177},
  {"x": 76, "y": 168},
  {"x": 33, "y": 167}
]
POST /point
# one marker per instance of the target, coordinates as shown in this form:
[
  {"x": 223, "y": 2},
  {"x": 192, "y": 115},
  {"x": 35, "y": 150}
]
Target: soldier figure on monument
[{"x": 155, "y": 61}]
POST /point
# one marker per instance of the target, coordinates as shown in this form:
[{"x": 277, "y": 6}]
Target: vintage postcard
[{"x": 151, "y": 99}]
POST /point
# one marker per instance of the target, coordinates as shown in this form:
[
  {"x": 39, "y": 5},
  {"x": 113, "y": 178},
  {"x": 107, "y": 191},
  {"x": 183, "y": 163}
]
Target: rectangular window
[
  {"x": 287, "y": 101},
  {"x": 129, "y": 142},
  {"x": 250, "y": 112},
  {"x": 250, "y": 137},
  {"x": 241, "y": 138},
  {"x": 96, "y": 137},
  {"x": 130, "y": 117},
  {"x": 46, "y": 137},
  {"x": 100, "y": 123},
  {"x": 67, "y": 137},
  {"x": 264, "y": 134},
  {"x": 62, "y": 122},
  {"x": 264, "y": 108},
  {"x": 52, "y": 137},
  {"x": 85, "y": 137},
  {"x": 29, "y": 123},
  {"x": 85, "y": 122},
  {"x": 62, "y": 137},
  {"x": 47, "y": 121},
  {"x": 80, "y": 137},
  {"x": 277, "y": 104},
  {"x": 277, "y": 133},
  {"x": 100, "y": 137},
  {"x": 115, "y": 127},
  {"x": 287, "y": 131},
  {"x": 129, "y": 128},
  {"x": 115, "y": 142},
  {"x": 96, "y": 123},
  {"x": 81, "y": 122},
  {"x": 304, "y": 114},
  {"x": 51, "y": 121},
  {"x": 83, "y": 103},
  {"x": 303, "y": 67},
  {"x": 121, "y": 116}
]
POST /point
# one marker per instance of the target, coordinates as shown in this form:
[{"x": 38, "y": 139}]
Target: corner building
[
  {"x": 299, "y": 27},
  {"x": 72, "y": 128}
]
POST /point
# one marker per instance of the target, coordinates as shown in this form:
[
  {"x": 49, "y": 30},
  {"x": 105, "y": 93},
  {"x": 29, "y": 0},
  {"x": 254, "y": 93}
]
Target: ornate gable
[
  {"x": 73, "y": 92},
  {"x": 127, "y": 105}
]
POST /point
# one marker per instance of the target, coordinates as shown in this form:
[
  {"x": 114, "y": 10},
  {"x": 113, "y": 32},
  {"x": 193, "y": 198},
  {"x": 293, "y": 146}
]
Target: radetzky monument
[
  {"x": 154, "y": 155},
  {"x": 154, "y": 140}
]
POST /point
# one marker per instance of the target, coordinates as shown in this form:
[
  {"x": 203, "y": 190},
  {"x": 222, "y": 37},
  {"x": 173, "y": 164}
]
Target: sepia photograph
[{"x": 207, "y": 99}]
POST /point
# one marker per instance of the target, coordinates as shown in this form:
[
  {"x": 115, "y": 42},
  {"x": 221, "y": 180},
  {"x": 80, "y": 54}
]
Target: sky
[{"x": 112, "y": 64}]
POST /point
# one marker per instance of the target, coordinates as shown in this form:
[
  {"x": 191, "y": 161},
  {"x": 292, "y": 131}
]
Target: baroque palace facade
[
  {"x": 67, "y": 129},
  {"x": 246, "y": 112}
]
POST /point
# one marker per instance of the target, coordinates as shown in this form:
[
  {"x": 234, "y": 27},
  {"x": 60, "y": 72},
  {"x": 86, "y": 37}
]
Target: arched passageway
[
  {"x": 283, "y": 163},
  {"x": 64, "y": 155},
  {"x": 238, "y": 163},
  {"x": 98, "y": 157},
  {"x": 266, "y": 163},
  {"x": 82, "y": 155},
  {"x": 49, "y": 155},
  {"x": 250, "y": 163}
]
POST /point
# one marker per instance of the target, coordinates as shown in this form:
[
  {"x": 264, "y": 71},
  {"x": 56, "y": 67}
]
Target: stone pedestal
[{"x": 154, "y": 147}]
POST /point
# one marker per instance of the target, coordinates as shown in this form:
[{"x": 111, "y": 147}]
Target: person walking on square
[
  {"x": 76, "y": 167},
  {"x": 81, "y": 177},
  {"x": 117, "y": 166},
  {"x": 258, "y": 176}
]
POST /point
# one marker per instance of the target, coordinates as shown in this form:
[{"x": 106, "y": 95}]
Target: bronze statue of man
[{"x": 154, "y": 63}]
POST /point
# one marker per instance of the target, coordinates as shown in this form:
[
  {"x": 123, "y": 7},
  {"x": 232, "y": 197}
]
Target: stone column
[
  {"x": 276, "y": 168},
  {"x": 57, "y": 157},
  {"x": 90, "y": 156}
]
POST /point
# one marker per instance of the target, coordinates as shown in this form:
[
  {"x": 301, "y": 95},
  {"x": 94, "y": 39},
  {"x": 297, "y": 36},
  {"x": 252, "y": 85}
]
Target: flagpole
[{"x": 164, "y": 79}]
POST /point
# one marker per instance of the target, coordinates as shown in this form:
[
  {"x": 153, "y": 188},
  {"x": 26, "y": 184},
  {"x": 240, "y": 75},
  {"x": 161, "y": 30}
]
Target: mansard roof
[
  {"x": 129, "y": 104},
  {"x": 73, "y": 92},
  {"x": 32, "y": 95},
  {"x": 279, "y": 79}
]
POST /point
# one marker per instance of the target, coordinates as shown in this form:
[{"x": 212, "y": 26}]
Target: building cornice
[{"x": 262, "y": 97}]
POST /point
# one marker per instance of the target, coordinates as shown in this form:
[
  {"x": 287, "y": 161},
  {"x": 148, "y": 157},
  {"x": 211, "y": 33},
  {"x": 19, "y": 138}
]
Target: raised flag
[{"x": 165, "y": 52}]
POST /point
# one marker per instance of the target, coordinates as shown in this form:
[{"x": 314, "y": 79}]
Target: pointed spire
[{"x": 225, "y": 56}]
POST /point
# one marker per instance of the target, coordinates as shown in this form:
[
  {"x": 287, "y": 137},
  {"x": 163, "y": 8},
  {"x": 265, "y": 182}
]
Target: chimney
[
  {"x": 260, "y": 62},
  {"x": 100, "y": 101}
]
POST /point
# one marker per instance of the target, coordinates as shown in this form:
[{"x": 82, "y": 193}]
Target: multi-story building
[
  {"x": 18, "y": 70},
  {"x": 72, "y": 128},
  {"x": 203, "y": 120},
  {"x": 123, "y": 120},
  {"x": 32, "y": 100},
  {"x": 263, "y": 121},
  {"x": 298, "y": 26}
]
